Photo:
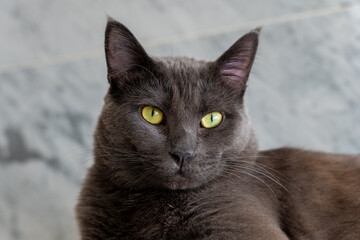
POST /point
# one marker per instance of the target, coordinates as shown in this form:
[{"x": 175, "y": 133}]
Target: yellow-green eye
[
  {"x": 211, "y": 120},
  {"x": 152, "y": 114}
]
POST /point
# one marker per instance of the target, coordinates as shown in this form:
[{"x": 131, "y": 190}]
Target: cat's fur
[{"x": 226, "y": 189}]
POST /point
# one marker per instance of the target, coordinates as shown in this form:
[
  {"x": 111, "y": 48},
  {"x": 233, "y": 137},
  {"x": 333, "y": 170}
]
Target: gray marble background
[{"x": 304, "y": 90}]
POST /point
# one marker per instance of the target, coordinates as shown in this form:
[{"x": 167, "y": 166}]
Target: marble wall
[{"x": 304, "y": 90}]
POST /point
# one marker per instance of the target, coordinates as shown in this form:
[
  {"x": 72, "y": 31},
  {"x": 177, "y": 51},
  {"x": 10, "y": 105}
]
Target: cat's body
[
  {"x": 178, "y": 179},
  {"x": 322, "y": 201}
]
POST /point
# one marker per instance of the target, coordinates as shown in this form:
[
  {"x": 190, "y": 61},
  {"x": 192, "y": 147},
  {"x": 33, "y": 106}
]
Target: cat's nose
[{"x": 181, "y": 158}]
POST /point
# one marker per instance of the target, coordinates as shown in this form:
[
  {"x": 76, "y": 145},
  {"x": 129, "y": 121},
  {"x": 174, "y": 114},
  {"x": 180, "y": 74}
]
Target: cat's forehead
[
  {"x": 185, "y": 78},
  {"x": 183, "y": 69},
  {"x": 190, "y": 84},
  {"x": 179, "y": 62}
]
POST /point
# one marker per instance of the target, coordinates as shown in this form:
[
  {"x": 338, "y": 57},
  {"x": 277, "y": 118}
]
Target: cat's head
[{"x": 172, "y": 122}]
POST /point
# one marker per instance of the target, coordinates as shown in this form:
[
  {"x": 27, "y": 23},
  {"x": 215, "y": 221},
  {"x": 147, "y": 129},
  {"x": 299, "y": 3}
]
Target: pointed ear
[
  {"x": 235, "y": 64},
  {"x": 123, "y": 51}
]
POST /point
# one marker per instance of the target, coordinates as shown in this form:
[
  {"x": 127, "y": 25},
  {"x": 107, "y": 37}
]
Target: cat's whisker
[
  {"x": 233, "y": 174},
  {"x": 259, "y": 167},
  {"x": 254, "y": 176},
  {"x": 251, "y": 164},
  {"x": 262, "y": 166},
  {"x": 262, "y": 173}
]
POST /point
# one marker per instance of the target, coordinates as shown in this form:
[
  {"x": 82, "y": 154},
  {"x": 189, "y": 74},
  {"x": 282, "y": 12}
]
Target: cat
[{"x": 176, "y": 157}]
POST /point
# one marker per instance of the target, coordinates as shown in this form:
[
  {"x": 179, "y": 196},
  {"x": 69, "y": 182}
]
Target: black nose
[{"x": 182, "y": 158}]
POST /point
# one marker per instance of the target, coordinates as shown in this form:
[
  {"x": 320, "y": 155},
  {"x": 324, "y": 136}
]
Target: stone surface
[{"x": 304, "y": 90}]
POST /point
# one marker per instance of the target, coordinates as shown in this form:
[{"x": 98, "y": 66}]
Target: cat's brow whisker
[
  {"x": 117, "y": 73},
  {"x": 134, "y": 65},
  {"x": 145, "y": 68}
]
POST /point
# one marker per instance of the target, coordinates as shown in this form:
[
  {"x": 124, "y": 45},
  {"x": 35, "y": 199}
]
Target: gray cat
[{"x": 176, "y": 158}]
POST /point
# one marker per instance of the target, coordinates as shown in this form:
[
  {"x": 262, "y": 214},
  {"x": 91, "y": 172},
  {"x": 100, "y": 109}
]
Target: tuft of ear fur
[
  {"x": 123, "y": 51},
  {"x": 235, "y": 64}
]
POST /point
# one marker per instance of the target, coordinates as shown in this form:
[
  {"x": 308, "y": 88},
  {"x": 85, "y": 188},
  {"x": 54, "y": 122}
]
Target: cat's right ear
[
  {"x": 233, "y": 67},
  {"x": 123, "y": 51}
]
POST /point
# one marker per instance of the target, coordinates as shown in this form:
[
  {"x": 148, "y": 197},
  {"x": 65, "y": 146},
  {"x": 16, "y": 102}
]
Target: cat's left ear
[
  {"x": 235, "y": 64},
  {"x": 123, "y": 51}
]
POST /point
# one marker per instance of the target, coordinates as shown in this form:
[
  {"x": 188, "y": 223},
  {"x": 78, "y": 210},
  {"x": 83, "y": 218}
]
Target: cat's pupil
[
  {"x": 152, "y": 112},
  {"x": 211, "y": 118}
]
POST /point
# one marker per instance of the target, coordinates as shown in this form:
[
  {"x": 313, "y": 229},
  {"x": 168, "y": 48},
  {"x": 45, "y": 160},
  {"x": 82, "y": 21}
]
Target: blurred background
[{"x": 304, "y": 89}]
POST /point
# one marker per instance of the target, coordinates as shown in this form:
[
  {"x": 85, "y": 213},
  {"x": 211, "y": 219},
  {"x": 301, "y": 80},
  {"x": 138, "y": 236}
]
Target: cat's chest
[{"x": 172, "y": 216}]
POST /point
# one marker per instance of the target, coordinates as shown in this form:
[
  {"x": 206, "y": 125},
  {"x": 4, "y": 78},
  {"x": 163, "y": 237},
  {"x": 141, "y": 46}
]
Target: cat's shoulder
[
  {"x": 289, "y": 152},
  {"x": 302, "y": 158}
]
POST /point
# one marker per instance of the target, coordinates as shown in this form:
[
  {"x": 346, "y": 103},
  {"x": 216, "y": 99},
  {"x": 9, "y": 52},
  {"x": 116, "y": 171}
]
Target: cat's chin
[{"x": 180, "y": 182}]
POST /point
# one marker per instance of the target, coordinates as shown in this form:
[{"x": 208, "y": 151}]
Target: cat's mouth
[
  {"x": 180, "y": 178},
  {"x": 187, "y": 178}
]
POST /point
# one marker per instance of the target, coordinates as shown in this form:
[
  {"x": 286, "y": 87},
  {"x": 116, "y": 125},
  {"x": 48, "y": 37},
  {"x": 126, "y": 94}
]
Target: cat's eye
[
  {"x": 152, "y": 114},
  {"x": 211, "y": 120}
]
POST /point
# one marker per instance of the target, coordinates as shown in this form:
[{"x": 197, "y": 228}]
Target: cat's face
[{"x": 172, "y": 122}]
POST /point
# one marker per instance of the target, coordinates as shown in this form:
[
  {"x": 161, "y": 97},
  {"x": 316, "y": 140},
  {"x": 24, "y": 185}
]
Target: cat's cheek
[
  {"x": 214, "y": 140},
  {"x": 149, "y": 143}
]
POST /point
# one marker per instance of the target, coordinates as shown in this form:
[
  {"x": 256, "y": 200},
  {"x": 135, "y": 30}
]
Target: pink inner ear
[
  {"x": 235, "y": 64},
  {"x": 234, "y": 74}
]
